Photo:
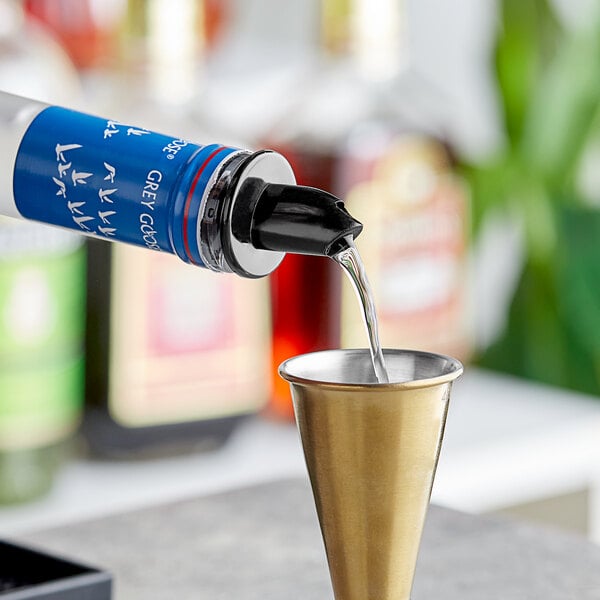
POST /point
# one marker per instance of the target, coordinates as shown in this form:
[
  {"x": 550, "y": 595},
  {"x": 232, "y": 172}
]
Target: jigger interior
[{"x": 371, "y": 450}]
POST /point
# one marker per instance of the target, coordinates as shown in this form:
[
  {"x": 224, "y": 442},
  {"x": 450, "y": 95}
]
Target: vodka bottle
[{"x": 214, "y": 206}]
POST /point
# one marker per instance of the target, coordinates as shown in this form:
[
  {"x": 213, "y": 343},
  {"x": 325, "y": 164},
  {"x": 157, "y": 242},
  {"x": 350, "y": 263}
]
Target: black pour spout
[{"x": 292, "y": 218}]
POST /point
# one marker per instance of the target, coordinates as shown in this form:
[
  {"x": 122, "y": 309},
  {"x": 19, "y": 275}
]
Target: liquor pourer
[{"x": 292, "y": 218}]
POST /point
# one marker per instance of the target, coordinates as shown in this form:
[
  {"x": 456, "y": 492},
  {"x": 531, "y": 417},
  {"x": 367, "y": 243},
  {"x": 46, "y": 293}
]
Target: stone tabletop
[{"x": 263, "y": 543}]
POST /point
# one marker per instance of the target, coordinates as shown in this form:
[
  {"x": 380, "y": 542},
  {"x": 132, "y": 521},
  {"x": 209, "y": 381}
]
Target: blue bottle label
[{"x": 115, "y": 181}]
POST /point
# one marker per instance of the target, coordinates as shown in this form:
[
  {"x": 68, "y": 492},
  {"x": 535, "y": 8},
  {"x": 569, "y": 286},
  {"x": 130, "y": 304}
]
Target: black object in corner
[{"x": 27, "y": 574}]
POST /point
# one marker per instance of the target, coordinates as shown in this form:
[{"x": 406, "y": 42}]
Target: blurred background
[{"x": 464, "y": 135}]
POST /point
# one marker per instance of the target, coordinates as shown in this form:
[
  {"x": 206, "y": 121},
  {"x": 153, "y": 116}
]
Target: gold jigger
[{"x": 371, "y": 451}]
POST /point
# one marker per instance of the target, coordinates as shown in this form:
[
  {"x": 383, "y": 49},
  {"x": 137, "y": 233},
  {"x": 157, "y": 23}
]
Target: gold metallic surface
[{"x": 371, "y": 453}]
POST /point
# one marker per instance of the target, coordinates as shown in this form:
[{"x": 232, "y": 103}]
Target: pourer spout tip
[{"x": 292, "y": 218}]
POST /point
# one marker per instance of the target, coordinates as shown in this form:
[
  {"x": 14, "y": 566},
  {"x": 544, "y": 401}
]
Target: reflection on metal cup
[{"x": 371, "y": 451}]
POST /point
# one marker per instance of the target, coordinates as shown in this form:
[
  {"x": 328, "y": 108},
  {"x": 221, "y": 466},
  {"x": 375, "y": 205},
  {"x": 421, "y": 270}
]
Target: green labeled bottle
[
  {"x": 42, "y": 293},
  {"x": 42, "y": 272}
]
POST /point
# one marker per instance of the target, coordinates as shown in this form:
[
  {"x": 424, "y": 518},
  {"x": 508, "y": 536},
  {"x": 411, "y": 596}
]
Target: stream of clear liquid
[{"x": 351, "y": 263}]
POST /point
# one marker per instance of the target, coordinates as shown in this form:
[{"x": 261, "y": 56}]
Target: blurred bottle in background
[
  {"x": 176, "y": 358},
  {"x": 42, "y": 294},
  {"x": 258, "y": 76},
  {"x": 87, "y": 30},
  {"x": 368, "y": 128}
]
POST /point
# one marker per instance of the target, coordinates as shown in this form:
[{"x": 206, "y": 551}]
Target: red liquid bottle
[{"x": 305, "y": 293}]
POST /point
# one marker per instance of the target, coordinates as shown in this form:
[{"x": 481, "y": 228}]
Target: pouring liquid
[{"x": 352, "y": 265}]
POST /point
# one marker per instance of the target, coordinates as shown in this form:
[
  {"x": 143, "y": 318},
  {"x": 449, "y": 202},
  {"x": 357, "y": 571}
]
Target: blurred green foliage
[{"x": 548, "y": 78}]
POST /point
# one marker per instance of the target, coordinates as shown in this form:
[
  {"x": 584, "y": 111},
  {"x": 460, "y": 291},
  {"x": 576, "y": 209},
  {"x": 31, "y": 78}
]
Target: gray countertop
[{"x": 263, "y": 543}]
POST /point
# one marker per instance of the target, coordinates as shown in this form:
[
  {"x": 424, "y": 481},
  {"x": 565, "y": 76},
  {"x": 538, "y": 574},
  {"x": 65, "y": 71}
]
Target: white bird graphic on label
[
  {"x": 74, "y": 207},
  {"x": 81, "y": 221},
  {"x": 133, "y": 131},
  {"x": 107, "y": 230},
  {"x": 63, "y": 168},
  {"x": 60, "y": 148},
  {"x": 110, "y": 132},
  {"x": 62, "y": 188},
  {"x": 111, "y": 173},
  {"x": 104, "y": 195},
  {"x": 104, "y": 214},
  {"x": 79, "y": 176}
]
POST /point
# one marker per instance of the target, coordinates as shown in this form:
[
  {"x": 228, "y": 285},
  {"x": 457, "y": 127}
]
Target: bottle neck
[{"x": 371, "y": 34}]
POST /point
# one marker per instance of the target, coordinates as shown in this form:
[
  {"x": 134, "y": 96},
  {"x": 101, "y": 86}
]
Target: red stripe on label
[{"x": 188, "y": 201}]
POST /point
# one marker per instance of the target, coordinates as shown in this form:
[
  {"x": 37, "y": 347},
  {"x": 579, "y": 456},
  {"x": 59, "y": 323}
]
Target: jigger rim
[{"x": 288, "y": 369}]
